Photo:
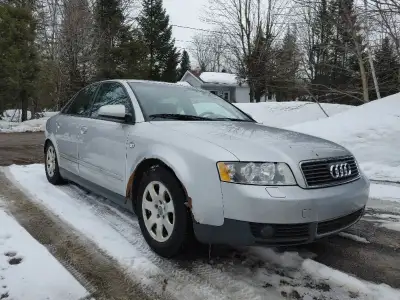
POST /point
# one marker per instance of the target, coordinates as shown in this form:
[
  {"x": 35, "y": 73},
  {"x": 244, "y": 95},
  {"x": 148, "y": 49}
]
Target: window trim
[
  {"x": 132, "y": 109},
  {"x": 74, "y": 98}
]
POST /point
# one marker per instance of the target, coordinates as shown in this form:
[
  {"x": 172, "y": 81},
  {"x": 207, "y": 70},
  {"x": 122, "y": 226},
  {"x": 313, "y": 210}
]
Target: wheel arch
[{"x": 135, "y": 178}]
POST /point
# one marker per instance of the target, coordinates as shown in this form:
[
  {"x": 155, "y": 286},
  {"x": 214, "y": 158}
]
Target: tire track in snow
[
  {"x": 241, "y": 275},
  {"x": 206, "y": 282}
]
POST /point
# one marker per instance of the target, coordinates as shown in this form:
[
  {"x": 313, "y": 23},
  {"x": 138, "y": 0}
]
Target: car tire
[
  {"x": 51, "y": 165},
  {"x": 164, "y": 218}
]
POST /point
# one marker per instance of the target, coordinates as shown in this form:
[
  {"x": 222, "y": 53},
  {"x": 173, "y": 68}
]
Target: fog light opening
[{"x": 267, "y": 231}]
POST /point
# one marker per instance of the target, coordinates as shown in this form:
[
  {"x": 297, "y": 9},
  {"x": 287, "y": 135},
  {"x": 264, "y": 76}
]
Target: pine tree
[
  {"x": 387, "y": 66},
  {"x": 347, "y": 58},
  {"x": 321, "y": 31},
  {"x": 157, "y": 33},
  {"x": 18, "y": 59},
  {"x": 185, "y": 64},
  {"x": 109, "y": 23},
  {"x": 288, "y": 65},
  {"x": 76, "y": 46}
]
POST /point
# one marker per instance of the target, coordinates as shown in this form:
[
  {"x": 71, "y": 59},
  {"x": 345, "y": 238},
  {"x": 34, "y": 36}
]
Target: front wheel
[
  {"x": 51, "y": 165},
  {"x": 163, "y": 216}
]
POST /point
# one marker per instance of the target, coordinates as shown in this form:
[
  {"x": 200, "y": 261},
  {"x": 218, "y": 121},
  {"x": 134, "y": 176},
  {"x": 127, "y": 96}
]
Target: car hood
[{"x": 254, "y": 142}]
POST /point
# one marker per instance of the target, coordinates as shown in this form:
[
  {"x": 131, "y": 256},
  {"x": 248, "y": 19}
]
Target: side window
[
  {"x": 80, "y": 106},
  {"x": 111, "y": 93}
]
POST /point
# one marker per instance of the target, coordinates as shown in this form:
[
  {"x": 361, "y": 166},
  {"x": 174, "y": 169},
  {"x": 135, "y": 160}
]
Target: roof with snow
[{"x": 219, "y": 78}]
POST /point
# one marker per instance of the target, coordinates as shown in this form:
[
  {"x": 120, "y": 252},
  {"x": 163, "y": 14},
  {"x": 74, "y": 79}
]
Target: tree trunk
[
  {"x": 251, "y": 94},
  {"x": 24, "y": 105},
  {"x": 364, "y": 79}
]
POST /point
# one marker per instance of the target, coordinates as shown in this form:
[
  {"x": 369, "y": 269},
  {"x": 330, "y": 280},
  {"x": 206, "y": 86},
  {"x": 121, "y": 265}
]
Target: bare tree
[
  {"x": 209, "y": 51},
  {"x": 387, "y": 15}
]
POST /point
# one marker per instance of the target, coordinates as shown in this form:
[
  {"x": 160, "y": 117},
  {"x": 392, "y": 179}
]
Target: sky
[{"x": 185, "y": 13}]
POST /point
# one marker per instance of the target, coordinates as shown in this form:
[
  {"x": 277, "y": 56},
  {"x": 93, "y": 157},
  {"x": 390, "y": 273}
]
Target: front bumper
[
  {"x": 285, "y": 215},
  {"x": 234, "y": 232}
]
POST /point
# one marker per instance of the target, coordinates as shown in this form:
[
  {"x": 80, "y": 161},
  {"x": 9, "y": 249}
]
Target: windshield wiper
[
  {"x": 179, "y": 117},
  {"x": 232, "y": 119}
]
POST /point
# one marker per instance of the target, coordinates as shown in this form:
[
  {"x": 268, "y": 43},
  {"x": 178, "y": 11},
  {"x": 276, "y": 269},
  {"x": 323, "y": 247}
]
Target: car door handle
[
  {"x": 58, "y": 125},
  {"x": 83, "y": 129}
]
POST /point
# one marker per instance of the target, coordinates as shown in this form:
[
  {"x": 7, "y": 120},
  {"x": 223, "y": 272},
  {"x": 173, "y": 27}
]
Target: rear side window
[
  {"x": 80, "y": 106},
  {"x": 111, "y": 93}
]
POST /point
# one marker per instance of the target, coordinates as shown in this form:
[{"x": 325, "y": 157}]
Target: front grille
[
  {"x": 337, "y": 224},
  {"x": 317, "y": 172},
  {"x": 282, "y": 232}
]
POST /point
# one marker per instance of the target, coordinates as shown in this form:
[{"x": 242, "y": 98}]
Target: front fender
[{"x": 199, "y": 176}]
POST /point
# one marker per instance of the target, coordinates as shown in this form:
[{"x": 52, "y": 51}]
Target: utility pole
[{"x": 371, "y": 61}]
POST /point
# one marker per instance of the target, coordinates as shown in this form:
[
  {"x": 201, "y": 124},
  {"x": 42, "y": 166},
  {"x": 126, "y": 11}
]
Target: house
[{"x": 227, "y": 86}]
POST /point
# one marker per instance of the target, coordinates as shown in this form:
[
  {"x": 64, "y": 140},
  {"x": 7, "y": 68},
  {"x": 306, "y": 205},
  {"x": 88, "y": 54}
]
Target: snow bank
[
  {"x": 281, "y": 114},
  {"x": 33, "y": 125},
  {"x": 14, "y": 115},
  {"x": 28, "y": 270},
  {"x": 385, "y": 192},
  {"x": 221, "y": 78},
  {"x": 370, "y": 131}
]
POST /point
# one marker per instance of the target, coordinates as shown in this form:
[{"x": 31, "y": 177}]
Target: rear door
[
  {"x": 69, "y": 126},
  {"x": 102, "y": 153}
]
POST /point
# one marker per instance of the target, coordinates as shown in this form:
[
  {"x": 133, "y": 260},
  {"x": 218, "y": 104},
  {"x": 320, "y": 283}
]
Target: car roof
[{"x": 145, "y": 81}]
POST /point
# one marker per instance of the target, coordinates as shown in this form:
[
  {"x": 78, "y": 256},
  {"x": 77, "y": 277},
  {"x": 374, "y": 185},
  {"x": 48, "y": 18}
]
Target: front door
[
  {"x": 68, "y": 128},
  {"x": 102, "y": 154}
]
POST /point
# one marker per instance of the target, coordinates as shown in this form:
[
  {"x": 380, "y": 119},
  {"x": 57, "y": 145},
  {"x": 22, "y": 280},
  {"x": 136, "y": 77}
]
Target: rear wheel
[
  {"x": 163, "y": 216},
  {"x": 51, "y": 165}
]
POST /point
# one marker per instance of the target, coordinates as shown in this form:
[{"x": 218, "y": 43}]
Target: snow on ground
[
  {"x": 370, "y": 131},
  {"x": 28, "y": 270},
  {"x": 282, "y": 114},
  {"x": 118, "y": 234},
  {"x": 33, "y": 125},
  {"x": 386, "y": 220},
  {"x": 10, "y": 124},
  {"x": 14, "y": 115},
  {"x": 385, "y": 192},
  {"x": 354, "y": 237},
  {"x": 339, "y": 282}
]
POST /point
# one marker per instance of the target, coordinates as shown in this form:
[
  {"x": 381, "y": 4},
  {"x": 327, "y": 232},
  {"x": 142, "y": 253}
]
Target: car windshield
[{"x": 168, "y": 102}]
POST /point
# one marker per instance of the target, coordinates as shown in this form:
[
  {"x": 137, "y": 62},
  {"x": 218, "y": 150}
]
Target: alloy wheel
[{"x": 158, "y": 211}]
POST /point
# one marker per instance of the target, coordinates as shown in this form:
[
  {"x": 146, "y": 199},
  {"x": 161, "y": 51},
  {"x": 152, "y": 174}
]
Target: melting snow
[{"x": 28, "y": 270}]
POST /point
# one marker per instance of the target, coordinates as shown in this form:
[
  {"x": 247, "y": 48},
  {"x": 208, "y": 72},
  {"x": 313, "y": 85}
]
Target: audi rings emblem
[{"x": 339, "y": 171}]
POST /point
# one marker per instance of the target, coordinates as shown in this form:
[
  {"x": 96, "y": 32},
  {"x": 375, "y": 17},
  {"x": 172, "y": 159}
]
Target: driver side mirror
[{"x": 115, "y": 113}]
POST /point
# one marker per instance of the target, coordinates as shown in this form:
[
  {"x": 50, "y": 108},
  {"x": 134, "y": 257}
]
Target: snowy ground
[
  {"x": 33, "y": 125},
  {"x": 259, "y": 272},
  {"x": 28, "y": 270},
  {"x": 282, "y": 114},
  {"x": 370, "y": 131}
]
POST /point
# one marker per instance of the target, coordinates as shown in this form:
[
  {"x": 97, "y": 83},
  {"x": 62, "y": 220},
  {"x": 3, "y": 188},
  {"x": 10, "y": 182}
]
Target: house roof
[{"x": 219, "y": 78}]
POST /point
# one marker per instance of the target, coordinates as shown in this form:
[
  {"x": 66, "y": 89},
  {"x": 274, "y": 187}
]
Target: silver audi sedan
[{"x": 192, "y": 166}]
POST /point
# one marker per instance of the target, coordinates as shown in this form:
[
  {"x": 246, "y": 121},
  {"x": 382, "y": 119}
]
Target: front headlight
[{"x": 267, "y": 173}]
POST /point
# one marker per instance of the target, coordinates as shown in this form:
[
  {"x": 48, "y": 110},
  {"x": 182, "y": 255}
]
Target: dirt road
[{"x": 21, "y": 148}]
